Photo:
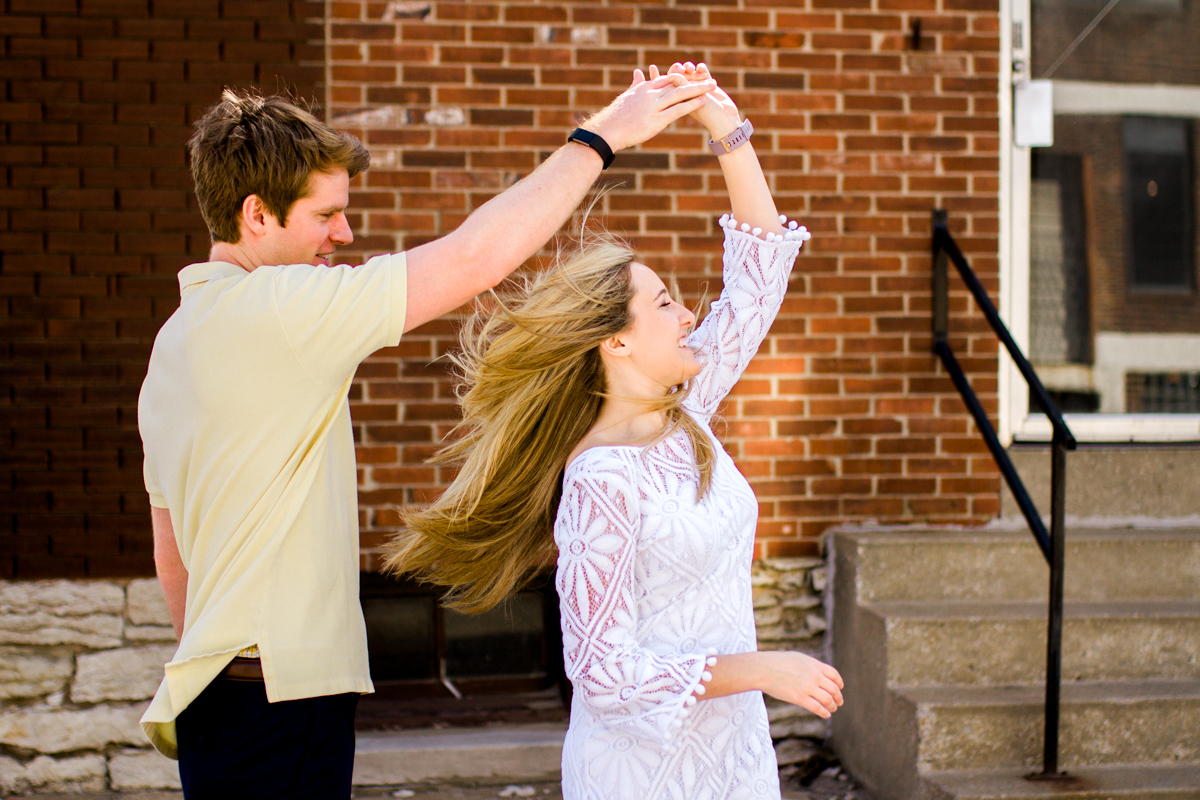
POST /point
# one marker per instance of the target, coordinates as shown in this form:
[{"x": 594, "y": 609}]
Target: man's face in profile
[{"x": 316, "y": 225}]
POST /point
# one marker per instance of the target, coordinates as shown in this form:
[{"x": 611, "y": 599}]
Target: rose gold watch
[{"x": 733, "y": 141}]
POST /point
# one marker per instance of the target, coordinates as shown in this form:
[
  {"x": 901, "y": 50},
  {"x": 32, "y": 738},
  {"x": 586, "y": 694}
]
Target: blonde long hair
[{"x": 532, "y": 387}]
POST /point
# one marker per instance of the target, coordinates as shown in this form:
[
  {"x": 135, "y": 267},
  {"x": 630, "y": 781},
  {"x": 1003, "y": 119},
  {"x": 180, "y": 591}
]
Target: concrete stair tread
[
  {"x": 529, "y": 753},
  {"x": 1140, "y": 781},
  {"x": 1036, "y": 609},
  {"x": 907, "y": 537},
  {"x": 940, "y": 636},
  {"x": 996, "y": 565},
  {"x": 1077, "y": 692}
]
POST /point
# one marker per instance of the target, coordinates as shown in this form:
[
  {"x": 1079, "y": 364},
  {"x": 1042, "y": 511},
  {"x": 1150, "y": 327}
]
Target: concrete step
[
  {"x": 982, "y": 565},
  {"x": 1121, "y": 782},
  {"x": 1005, "y": 643},
  {"x": 511, "y": 753},
  {"x": 994, "y": 727}
]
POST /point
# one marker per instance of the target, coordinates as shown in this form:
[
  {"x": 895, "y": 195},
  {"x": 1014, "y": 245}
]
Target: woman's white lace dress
[{"x": 652, "y": 583}]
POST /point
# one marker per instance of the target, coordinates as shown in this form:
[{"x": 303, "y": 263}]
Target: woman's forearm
[
  {"x": 749, "y": 195},
  {"x": 792, "y": 677}
]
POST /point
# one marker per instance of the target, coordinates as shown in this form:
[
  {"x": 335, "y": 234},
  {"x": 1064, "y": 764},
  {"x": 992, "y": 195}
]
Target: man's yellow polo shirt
[{"x": 245, "y": 423}]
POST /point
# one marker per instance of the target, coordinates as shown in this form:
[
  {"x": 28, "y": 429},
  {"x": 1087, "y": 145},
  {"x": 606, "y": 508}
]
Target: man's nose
[{"x": 341, "y": 234}]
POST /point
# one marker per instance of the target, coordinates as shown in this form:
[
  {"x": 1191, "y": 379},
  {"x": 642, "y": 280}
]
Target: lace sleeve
[
  {"x": 756, "y": 277},
  {"x": 621, "y": 683}
]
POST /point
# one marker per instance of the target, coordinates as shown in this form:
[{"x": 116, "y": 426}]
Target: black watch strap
[{"x": 595, "y": 142}]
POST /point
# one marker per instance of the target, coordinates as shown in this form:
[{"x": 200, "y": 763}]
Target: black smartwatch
[{"x": 595, "y": 142}]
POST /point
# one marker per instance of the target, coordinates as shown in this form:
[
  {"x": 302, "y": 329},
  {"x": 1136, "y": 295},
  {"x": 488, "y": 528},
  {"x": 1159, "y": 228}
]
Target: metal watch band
[
  {"x": 594, "y": 141},
  {"x": 733, "y": 141}
]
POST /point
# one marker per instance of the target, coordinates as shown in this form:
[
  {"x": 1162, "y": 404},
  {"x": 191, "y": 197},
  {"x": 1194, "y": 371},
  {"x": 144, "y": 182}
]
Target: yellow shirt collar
[{"x": 207, "y": 271}]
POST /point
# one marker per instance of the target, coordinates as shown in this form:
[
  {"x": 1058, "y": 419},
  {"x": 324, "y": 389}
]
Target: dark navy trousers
[{"x": 233, "y": 743}]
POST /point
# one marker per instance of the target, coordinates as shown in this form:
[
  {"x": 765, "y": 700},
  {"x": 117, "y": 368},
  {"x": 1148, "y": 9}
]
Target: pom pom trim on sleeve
[
  {"x": 795, "y": 232},
  {"x": 673, "y": 727}
]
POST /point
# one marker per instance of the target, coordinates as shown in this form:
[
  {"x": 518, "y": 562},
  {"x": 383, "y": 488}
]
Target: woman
[{"x": 586, "y": 414}]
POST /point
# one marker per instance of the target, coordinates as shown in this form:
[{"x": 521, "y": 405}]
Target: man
[{"x": 246, "y": 426}]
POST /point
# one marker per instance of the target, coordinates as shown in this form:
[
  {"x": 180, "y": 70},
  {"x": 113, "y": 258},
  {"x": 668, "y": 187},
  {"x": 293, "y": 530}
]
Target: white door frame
[{"x": 1070, "y": 97}]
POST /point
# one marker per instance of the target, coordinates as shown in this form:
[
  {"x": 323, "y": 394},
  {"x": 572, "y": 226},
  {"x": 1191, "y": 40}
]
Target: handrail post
[
  {"x": 1053, "y": 544},
  {"x": 1058, "y": 546},
  {"x": 941, "y": 278}
]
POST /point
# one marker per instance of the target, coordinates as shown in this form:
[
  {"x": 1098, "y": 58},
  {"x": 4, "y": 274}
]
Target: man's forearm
[
  {"x": 511, "y": 227},
  {"x": 172, "y": 574},
  {"x": 174, "y": 589}
]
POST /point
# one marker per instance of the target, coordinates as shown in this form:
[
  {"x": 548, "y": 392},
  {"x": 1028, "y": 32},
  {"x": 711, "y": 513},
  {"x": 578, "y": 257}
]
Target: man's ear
[{"x": 254, "y": 215}]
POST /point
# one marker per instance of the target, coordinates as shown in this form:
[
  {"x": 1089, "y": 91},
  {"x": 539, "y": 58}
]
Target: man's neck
[{"x": 234, "y": 254}]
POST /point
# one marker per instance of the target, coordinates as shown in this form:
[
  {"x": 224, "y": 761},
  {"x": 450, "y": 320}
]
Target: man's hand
[
  {"x": 719, "y": 114},
  {"x": 647, "y": 106}
]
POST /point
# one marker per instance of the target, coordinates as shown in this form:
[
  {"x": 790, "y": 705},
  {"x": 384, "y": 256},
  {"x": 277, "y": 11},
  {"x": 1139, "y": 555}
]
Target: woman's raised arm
[{"x": 749, "y": 196}]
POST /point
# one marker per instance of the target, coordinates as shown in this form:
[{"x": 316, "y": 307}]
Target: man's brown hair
[{"x": 267, "y": 146}]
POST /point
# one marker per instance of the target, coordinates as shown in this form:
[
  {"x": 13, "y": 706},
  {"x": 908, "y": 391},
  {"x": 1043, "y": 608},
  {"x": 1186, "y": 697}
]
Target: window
[
  {"x": 1098, "y": 271},
  {"x": 1060, "y": 326},
  {"x": 1158, "y": 190}
]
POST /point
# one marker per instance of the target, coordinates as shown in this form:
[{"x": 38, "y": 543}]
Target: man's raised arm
[{"x": 508, "y": 229}]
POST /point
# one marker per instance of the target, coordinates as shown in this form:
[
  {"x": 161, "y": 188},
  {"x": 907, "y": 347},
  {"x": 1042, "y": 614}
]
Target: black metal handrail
[{"x": 1052, "y": 543}]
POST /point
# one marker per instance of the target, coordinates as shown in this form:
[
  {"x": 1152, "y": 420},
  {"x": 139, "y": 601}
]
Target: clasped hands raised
[{"x": 651, "y": 104}]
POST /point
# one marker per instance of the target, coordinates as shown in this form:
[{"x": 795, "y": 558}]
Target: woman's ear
[{"x": 615, "y": 347}]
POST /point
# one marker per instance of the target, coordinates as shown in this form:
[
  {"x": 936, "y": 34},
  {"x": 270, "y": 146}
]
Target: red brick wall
[
  {"x": 844, "y": 414},
  {"x": 98, "y": 216}
]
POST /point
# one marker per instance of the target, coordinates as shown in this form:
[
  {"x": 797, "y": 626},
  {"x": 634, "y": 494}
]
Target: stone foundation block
[
  {"x": 143, "y": 769},
  {"x": 130, "y": 673},
  {"x": 40, "y": 628},
  {"x": 795, "y": 751},
  {"x": 150, "y": 633},
  {"x": 789, "y": 721},
  {"x": 63, "y": 730},
  {"x": 145, "y": 604},
  {"x": 62, "y": 598},
  {"x": 25, "y": 674},
  {"x": 87, "y": 613},
  {"x": 74, "y": 775}
]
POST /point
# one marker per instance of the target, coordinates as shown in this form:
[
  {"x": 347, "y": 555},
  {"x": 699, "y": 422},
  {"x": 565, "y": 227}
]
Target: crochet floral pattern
[{"x": 654, "y": 585}]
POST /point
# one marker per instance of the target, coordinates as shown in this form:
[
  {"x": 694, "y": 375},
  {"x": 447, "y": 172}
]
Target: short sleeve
[
  {"x": 156, "y": 496},
  {"x": 334, "y": 317}
]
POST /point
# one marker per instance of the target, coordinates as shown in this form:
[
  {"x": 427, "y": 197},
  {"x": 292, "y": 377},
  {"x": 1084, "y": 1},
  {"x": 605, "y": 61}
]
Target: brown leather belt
[{"x": 243, "y": 669}]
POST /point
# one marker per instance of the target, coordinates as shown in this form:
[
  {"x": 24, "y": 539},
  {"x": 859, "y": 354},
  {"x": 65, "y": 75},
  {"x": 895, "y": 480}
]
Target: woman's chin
[{"x": 690, "y": 370}]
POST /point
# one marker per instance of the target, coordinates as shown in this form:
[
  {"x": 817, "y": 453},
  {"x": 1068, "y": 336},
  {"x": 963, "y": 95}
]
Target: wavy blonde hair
[{"x": 532, "y": 387}]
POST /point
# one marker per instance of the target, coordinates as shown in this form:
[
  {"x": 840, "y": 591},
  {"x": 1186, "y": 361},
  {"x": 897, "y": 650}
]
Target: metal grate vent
[{"x": 1162, "y": 392}]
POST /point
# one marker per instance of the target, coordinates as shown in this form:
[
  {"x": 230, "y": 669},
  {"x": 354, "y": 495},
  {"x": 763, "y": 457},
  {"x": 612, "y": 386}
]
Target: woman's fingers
[
  {"x": 685, "y": 91},
  {"x": 681, "y": 110},
  {"x": 832, "y": 687},
  {"x": 815, "y": 707},
  {"x": 834, "y": 696}
]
